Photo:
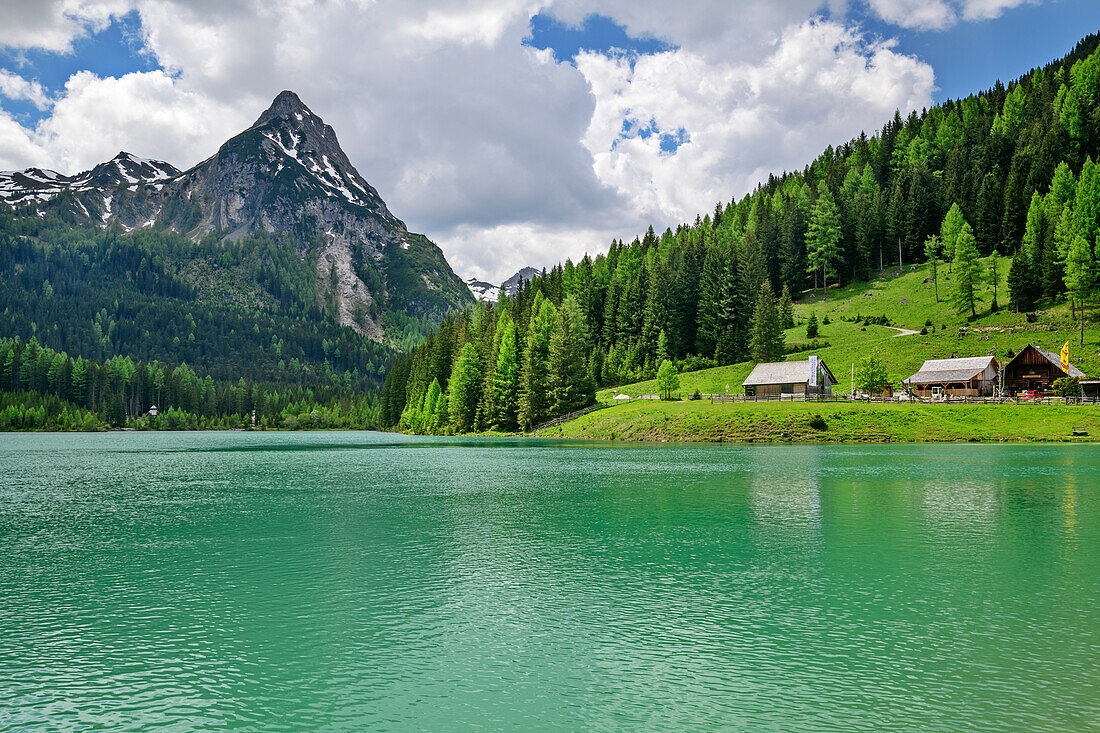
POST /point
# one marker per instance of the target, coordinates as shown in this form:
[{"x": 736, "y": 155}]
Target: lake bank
[{"x": 794, "y": 422}]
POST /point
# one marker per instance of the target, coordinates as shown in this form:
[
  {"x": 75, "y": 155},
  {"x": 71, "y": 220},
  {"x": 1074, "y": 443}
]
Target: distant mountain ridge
[
  {"x": 487, "y": 291},
  {"x": 284, "y": 176}
]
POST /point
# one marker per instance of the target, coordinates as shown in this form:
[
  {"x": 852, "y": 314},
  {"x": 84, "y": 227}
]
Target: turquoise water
[{"x": 356, "y": 581}]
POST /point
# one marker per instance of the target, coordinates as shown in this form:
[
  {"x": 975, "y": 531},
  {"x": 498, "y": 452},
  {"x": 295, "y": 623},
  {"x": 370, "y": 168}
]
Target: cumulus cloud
[
  {"x": 14, "y": 86},
  {"x": 940, "y": 14},
  {"x": 986, "y": 9},
  {"x": 739, "y": 123},
  {"x": 926, "y": 14},
  {"x": 146, "y": 113},
  {"x": 53, "y": 25},
  {"x": 503, "y": 154}
]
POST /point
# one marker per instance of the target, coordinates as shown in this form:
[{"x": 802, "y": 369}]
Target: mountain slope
[{"x": 286, "y": 176}]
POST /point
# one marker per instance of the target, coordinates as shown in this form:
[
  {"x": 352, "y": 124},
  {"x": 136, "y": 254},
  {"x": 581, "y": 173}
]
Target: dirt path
[{"x": 903, "y": 331}]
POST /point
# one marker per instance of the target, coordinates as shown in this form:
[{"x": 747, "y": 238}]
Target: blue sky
[{"x": 511, "y": 139}]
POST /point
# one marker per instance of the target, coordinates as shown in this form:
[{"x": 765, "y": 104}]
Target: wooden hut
[
  {"x": 973, "y": 376},
  {"x": 790, "y": 379},
  {"x": 1035, "y": 368}
]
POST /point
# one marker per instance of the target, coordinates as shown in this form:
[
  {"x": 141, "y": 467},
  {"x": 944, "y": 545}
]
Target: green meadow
[{"x": 908, "y": 302}]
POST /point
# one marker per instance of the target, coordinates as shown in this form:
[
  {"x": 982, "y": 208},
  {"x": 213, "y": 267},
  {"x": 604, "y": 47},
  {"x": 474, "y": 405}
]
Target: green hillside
[{"x": 908, "y": 302}]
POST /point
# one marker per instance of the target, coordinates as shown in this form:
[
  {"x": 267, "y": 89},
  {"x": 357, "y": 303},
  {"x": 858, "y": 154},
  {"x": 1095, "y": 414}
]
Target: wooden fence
[
  {"x": 568, "y": 416},
  {"x": 961, "y": 400}
]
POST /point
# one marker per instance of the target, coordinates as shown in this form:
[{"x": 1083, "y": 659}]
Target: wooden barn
[
  {"x": 790, "y": 378},
  {"x": 973, "y": 376},
  {"x": 1035, "y": 368}
]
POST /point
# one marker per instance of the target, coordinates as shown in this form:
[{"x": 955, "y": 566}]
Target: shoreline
[{"x": 792, "y": 423}]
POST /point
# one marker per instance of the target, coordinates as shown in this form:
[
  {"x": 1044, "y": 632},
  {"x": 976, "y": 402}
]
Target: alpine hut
[
  {"x": 791, "y": 379},
  {"x": 1035, "y": 368},
  {"x": 972, "y": 376}
]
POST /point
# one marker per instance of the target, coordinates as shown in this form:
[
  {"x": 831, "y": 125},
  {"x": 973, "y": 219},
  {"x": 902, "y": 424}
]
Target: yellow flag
[{"x": 1065, "y": 358}]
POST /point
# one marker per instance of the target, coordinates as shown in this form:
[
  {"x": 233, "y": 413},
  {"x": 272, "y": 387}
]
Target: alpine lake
[{"x": 362, "y": 581}]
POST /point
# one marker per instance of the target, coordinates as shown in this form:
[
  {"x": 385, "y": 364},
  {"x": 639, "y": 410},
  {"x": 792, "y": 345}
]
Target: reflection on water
[{"x": 350, "y": 581}]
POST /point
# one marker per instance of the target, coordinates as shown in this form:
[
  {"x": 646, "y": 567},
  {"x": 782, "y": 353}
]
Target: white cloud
[
  {"x": 14, "y": 86},
  {"x": 923, "y": 14},
  {"x": 145, "y": 113},
  {"x": 986, "y": 9},
  {"x": 495, "y": 253},
  {"x": 54, "y": 24},
  {"x": 820, "y": 83},
  {"x": 501, "y": 153}
]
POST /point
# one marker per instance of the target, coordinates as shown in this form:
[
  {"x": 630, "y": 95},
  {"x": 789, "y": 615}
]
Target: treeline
[
  {"x": 245, "y": 308},
  {"x": 1006, "y": 171},
  {"x": 503, "y": 366},
  {"x": 44, "y": 389}
]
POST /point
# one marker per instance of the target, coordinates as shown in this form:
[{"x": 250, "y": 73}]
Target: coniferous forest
[
  {"x": 101, "y": 326},
  {"x": 1012, "y": 170}
]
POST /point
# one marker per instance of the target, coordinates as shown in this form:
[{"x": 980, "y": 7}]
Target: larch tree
[
  {"x": 949, "y": 231},
  {"x": 968, "y": 272},
  {"x": 823, "y": 236},
  {"x": 1080, "y": 276},
  {"x": 932, "y": 247}
]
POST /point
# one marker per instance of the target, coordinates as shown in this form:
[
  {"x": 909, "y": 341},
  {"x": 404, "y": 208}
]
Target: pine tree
[
  {"x": 767, "y": 334},
  {"x": 968, "y": 272},
  {"x": 812, "y": 327}
]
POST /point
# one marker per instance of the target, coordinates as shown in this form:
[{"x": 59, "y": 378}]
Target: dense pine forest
[{"x": 1011, "y": 170}]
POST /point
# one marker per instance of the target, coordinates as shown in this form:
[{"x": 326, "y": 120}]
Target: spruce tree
[
  {"x": 767, "y": 334},
  {"x": 711, "y": 287},
  {"x": 812, "y": 327},
  {"x": 534, "y": 400},
  {"x": 786, "y": 308},
  {"x": 571, "y": 386},
  {"x": 465, "y": 388},
  {"x": 506, "y": 378},
  {"x": 1019, "y": 281}
]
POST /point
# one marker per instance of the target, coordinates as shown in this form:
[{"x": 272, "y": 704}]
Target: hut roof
[
  {"x": 936, "y": 371},
  {"x": 783, "y": 372},
  {"x": 1056, "y": 360}
]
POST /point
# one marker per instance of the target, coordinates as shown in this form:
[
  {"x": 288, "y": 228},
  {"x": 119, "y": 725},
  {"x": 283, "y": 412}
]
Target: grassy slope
[
  {"x": 903, "y": 355},
  {"x": 874, "y": 423}
]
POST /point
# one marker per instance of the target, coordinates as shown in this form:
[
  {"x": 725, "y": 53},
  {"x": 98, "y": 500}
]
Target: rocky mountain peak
[{"x": 287, "y": 104}]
